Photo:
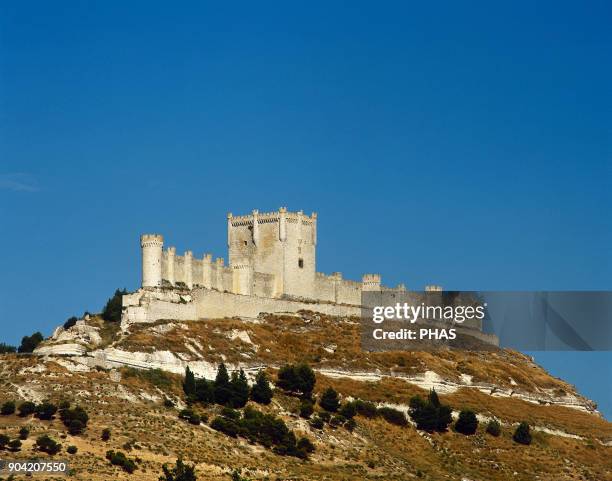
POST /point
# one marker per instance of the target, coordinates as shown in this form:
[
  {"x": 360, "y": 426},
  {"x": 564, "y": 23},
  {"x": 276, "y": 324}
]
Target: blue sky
[{"x": 465, "y": 145}]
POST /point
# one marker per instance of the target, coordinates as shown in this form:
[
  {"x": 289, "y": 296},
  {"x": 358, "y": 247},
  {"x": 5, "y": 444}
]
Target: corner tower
[
  {"x": 151, "y": 246},
  {"x": 279, "y": 243}
]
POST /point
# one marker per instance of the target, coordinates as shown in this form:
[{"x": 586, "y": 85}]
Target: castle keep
[{"x": 272, "y": 268}]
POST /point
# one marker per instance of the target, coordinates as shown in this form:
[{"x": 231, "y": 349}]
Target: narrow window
[
  {"x": 245, "y": 242},
  {"x": 301, "y": 263}
]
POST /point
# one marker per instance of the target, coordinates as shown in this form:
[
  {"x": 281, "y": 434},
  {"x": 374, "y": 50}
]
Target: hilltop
[{"x": 126, "y": 380}]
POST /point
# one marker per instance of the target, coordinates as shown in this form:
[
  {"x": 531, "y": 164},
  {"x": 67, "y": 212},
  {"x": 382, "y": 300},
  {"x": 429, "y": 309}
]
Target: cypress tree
[
  {"x": 261, "y": 392},
  {"x": 189, "y": 384},
  {"x": 223, "y": 391}
]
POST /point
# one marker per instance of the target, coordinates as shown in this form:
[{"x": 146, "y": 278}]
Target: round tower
[{"x": 151, "y": 245}]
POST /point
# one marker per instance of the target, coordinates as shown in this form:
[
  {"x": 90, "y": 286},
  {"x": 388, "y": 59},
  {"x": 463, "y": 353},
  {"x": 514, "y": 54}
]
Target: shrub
[
  {"x": 325, "y": 416},
  {"x": 494, "y": 428},
  {"x": 225, "y": 425},
  {"x": 106, "y": 434},
  {"x": 168, "y": 403},
  {"x": 350, "y": 424},
  {"x": 304, "y": 444},
  {"x": 48, "y": 445},
  {"x": 74, "y": 419},
  {"x": 336, "y": 421},
  {"x": 14, "y": 445},
  {"x": 71, "y": 449},
  {"x": 467, "y": 423},
  {"x": 299, "y": 378},
  {"x": 366, "y": 409},
  {"x": 317, "y": 423},
  {"x": 306, "y": 408},
  {"x": 329, "y": 400},
  {"x": 4, "y": 440},
  {"x": 6, "y": 348},
  {"x": 348, "y": 410},
  {"x": 119, "y": 458},
  {"x": 7, "y": 408},
  {"x": 70, "y": 322},
  {"x": 191, "y": 416},
  {"x": 180, "y": 472},
  {"x": 261, "y": 392},
  {"x": 29, "y": 343},
  {"x": 393, "y": 416},
  {"x": 46, "y": 411},
  {"x": 429, "y": 414},
  {"x": 24, "y": 433},
  {"x": 522, "y": 435},
  {"x": 27, "y": 408},
  {"x": 112, "y": 309}
]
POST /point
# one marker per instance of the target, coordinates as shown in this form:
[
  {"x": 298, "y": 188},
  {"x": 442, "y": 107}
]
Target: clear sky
[{"x": 468, "y": 145}]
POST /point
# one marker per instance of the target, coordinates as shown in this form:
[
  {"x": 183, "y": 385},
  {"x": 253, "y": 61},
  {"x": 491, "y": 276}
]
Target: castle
[{"x": 272, "y": 268}]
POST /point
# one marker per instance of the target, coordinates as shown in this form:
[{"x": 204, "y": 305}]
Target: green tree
[
  {"x": 27, "y": 408},
  {"x": 113, "y": 307},
  {"x": 6, "y": 348},
  {"x": 71, "y": 321},
  {"x": 239, "y": 388},
  {"x": 522, "y": 435},
  {"x": 329, "y": 400},
  {"x": 467, "y": 423},
  {"x": 429, "y": 414},
  {"x": 494, "y": 428},
  {"x": 306, "y": 408},
  {"x": 261, "y": 392},
  {"x": 29, "y": 343},
  {"x": 4, "y": 440},
  {"x": 189, "y": 384},
  {"x": 298, "y": 378},
  {"x": 348, "y": 410},
  {"x": 223, "y": 391},
  {"x": 106, "y": 434},
  {"x": 72, "y": 449},
  {"x": 24, "y": 433},
  {"x": 46, "y": 411},
  {"x": 8, "y": 408},
  {"x": 179, "y": 472}
]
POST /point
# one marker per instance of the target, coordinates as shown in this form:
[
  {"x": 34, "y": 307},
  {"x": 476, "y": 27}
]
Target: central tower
[{"x": 279, "y": 243}]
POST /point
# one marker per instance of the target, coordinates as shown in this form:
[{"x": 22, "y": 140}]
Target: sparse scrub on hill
[
  {"x": 493, "y": 428},
  {"x": 118, "y": 458},
  {"x": 112, "y": 309},
  {"x": 7, "y": 408},
  {"x": 296, "y": 379},
  {"x": 48, "y": 445},
  {"x": 71, "y": 321},
  {"x": 264, "y": 429},
  {"x": 74, "y": 419},
  {"x": 467, "y": 423},
  {"x": 366, "y": 409},
  {"x": 179, "y": 472},
  {"x": 155, "y": 377},
  {"x": 26, "y": 408},
  {"x": 29, "y": 343},
  {"x": 429, "y": 414},
  {"x": 522, "y": 435},
  {"x": 393, "y": 416},
  {"x": 330, "y": 400}
]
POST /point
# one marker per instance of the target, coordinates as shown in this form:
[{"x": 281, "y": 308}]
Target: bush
[
  {"x": 350, "y": 424},
  {"x": 191, "y": 416},
  {"x": 119, "y": 458},
  {"x": 70, "y": 322},
  {"x": 112, "y": 309},
  {"x": 27, "y": 408},
  {"x": 299, "y": 378},
  {"x": 71, "y": 449},
  {"x": 46, "y": 411},
  {"x": 261, "y": 392},
  {"x": 317, "y": 423},
  {"x": 106, "y": 434},
  {"x": 7, "y": 349},
  {"x": 29, "y": 343},
  {"x": 48, "y": 445},
  {"x": 306, "y": 408},
  {"x": 14, "y": 445},
  {"x": 348, "y": 410},
  {"x": 366, "y": 409},
  {"x": 225, "y": 425},
  {"x": 74, "y": 419},
  {"x": 4, "y": 440},
  {"x": 304, "y": 444},
  {"x": 180, "y": 472},
  {"x": 329, "y": 400},
  {"x": 336, "y": 421},
  {"x": 7, "y": 408},
  {"x": 494, "y": 428},
  {"x": 24, "y": 433},
  {"x": 168, "y": 403},
  {"x": 393, "y": 416},
  {"x": 467, "y": 423},
  {"x": 429, "y": 414},
  {"x": 522, "y": 435}
]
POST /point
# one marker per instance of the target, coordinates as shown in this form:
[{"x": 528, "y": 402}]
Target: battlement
[
  {"x": 271, "y": 254},
  {"x": 151, "y": 240}
]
